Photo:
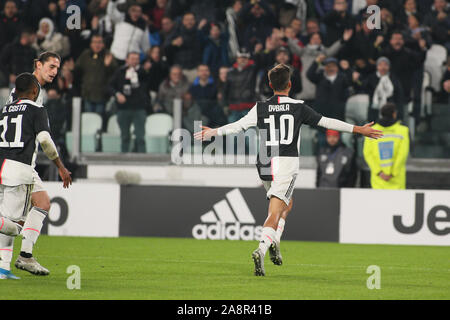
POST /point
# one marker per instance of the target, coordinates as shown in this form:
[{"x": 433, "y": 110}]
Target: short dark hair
[
  {"x": 279, "y": 77},
  {"x": 45, "y": 56},
  {"x": 388, "y": 110},
  {"x": 25, "y": 82}
]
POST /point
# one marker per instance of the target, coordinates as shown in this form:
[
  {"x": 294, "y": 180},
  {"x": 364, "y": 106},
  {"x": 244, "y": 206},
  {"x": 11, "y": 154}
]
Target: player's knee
[{"x": 41, "y": 200}]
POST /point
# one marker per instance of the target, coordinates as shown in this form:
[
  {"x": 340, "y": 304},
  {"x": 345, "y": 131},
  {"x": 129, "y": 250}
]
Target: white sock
[
  {"x": 9, "y": 227},
  {"x": 32, "y": 229},
  {"x": 6, "y": 251},
  {"x": 267, "y": 237},
  {"x": 280, "y": 229}
]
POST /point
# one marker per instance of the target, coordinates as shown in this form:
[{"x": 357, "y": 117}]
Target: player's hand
[
  {"x": 65, "y": 176},
  {"x": 368, "y": 131},
  {"x": 206, "y": 134}
]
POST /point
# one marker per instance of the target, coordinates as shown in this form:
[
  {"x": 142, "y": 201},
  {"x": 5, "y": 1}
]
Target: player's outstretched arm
[
  {"x": 249, "y": 120},
  {"x": 368, "y": 131},
  {"x": 342, "y": 126},
  {"x": 49, "y": 148}
]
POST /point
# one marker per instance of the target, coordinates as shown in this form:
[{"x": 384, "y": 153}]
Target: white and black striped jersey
[
  {"x": 20, "y": 123},
  {"x": 279, "y": 120}
]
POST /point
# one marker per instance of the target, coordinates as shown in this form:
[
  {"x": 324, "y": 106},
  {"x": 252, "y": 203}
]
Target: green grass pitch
[{"x": 156, "y": 268}]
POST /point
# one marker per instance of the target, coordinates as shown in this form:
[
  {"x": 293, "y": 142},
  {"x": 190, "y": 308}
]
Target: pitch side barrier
[{"x": 414, "y": 217}]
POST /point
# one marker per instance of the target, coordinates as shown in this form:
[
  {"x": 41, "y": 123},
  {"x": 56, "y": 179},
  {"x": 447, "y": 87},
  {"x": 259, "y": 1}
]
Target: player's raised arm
[
  {"x": 49, "y": 148},
  {"x": 250, "y": 120},
  {"x": 339, "y": 125}
]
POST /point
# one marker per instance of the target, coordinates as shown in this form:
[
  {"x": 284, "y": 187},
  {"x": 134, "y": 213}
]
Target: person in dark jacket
[
  {"x": 337, "y": 21},
  {"x": 258, "y": 20},
  {"x": 204, "y": 93},
  {"x": 185, "y": 46},
  {"x": 331, "y": 87},
  {"x": 239, "y": 91},
  {"x": 94, "y": 68},
  {"x": 335, "y": 163},
  {"x": 159, "y": 68},
  {"x": 215, "y": 53},
  {"x": 130, "y": 87},
  {"x": 438, "y": 20},
  {"x": 10, "y": 23},
  {"x": 408, "y": 65},
  {"x": 282, "y": 56},
  {"x": 17, "y": 57}
]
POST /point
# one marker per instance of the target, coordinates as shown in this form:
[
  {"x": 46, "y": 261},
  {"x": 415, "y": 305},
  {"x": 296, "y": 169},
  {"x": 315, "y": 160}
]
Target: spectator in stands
[
  {"x": 232, "y": 14},
  {"x": 94, "y": 68},
  {"x": 33, "y": 11},
  {"x": 130, "y": 87},
  {"x": 240, "y": 87},
  {"x": 387, "y": 156},
  {"x": 335, "y": 163},
  {"x": 47, "y": 39},
  {"x": 312, "y": 27},
  {"x": 157, "y": 13},
  {"x": 297, "y": 27},
  {"x": 409, "y": 8},
  {"x": 446, "y": 83},
  {"x": 438, "y": 20},
  {"x": 387, "y": 22},
  {"x": 159, "y": 68},
  {"x": 204, "y": 93},
  {"x": 167, "y": 29},
  {"x": 337, "y": 21},
  {"x": 17, "y": 57},
  {"x": 382, "y": 86},
  {"x": 10, "y": 23},
  {"x": 215, "y": 52},
  {"x": 221, "y": 82},
  {"x": 323, "y": 7},
  {"x": 264, "y": 55},
  {"x": 175, "y": 86},
  {"x": 185, "y": 46},
  {"x": 58, "y": 113},
  {"x": 282, "y": 56},
  {"x": 407, "y": 65},
  {"x": 309, "y": 54},
  {"x": 191, "y": 113},
  {"x": 131, "y": 34},
  {"x": 332, "y": 87},
  {"x": 362, "y": 44},
  {"x": 258, "y": 19}
]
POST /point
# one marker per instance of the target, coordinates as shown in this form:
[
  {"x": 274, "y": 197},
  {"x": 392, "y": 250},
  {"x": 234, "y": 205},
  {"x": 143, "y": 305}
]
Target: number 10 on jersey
[{"x": 286, "y": 130}]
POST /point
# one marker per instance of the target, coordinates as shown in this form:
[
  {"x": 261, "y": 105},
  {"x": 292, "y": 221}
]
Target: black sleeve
[
  {"x": 309, "y": 116},
  {"x": 40, "y": 119}
]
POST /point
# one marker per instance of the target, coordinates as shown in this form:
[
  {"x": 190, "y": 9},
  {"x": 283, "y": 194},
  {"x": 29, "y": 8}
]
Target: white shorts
[
  {"x": 15, "y": 201},
  {"x": 38, "y": 185},
  {"x": 281, "y": 188}
]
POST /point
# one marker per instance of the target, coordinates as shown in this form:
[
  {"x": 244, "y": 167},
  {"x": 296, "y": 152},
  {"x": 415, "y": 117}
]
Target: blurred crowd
[{"x": 132, "y": 58}]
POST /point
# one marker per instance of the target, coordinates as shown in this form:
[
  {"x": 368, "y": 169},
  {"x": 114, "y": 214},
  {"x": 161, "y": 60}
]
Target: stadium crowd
[{"x": 132, "y": 58}]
